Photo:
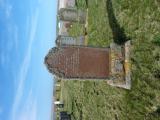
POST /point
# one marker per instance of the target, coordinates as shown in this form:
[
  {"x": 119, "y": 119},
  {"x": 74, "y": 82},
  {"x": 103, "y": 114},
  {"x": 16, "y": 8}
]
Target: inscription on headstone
[{"x": 79, "y": 62}]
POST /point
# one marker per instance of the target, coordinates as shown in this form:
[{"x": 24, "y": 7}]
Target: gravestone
[
  {"x": 72, "y": 15},
  {"x": 63, "y": 40},
  {"x": 79, "y": 62},
  {"x": 65, "y": 116},
  {"x": 62, "y": 29}
]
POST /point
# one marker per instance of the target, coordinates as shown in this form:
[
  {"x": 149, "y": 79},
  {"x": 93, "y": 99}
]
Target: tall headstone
[
  {"x": 79, "y": 62},
  {"x": 63, "y": 40},
  {"x": 72, "y": 15}
]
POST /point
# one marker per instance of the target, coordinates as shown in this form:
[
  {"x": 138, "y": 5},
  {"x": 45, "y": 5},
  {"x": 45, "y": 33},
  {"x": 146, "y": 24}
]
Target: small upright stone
[{"x": 72, "y": 15}]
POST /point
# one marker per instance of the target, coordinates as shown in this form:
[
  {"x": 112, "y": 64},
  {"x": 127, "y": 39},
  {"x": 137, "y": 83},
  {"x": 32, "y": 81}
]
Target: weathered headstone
[
  {"x": 70, "y": 3},
  {"x": 72, "y": 15},
  {"x": 68, "y": 40},
  {"x": 79, "y": 62},
  {"x": 65, "y": 116},
  {"x": 116, "y": 59},
  {"x": 62, "y": 29}
]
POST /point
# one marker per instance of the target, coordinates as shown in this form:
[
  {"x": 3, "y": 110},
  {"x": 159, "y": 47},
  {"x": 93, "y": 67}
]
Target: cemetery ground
[{"x": 95, "y": 100}]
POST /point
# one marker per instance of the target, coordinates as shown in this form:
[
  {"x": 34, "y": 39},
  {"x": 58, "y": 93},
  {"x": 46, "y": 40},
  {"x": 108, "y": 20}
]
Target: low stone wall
[{"x": 120, "y": 65}]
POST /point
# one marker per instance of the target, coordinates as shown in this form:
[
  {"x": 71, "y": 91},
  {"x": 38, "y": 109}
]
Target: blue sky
[{"x": 27, "y": 32}]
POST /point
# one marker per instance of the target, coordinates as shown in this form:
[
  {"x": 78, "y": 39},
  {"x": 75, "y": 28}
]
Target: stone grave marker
[
  {"x": 79, "y": 62},
  {"x": 72, "y": 15},
  {"x": 63, "y": 40}
]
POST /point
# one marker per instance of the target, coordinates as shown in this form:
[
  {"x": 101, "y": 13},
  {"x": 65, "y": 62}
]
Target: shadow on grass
[
  {"x": 153, "y": 115},
  {"x": 79, "y": 110},
  {"x": 81, "y": 115},
  {"x": 118, "y": 32},
  {"x": 86, "y": 3}
]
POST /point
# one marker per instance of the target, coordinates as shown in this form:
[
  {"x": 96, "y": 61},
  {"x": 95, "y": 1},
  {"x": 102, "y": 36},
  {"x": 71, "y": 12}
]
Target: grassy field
[{"x": 95, "y": 100}]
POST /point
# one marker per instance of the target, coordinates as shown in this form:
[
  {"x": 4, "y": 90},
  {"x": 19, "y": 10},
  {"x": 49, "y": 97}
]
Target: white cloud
[
  {"x": 24, "y": 67},
  {"x": 16, "y": 37},
  {"x": 10, "y": 45},
  {"x": 8, "y": 10},
  {"x": 29, "y": 109},
  {"x": 4, "y": 59}
]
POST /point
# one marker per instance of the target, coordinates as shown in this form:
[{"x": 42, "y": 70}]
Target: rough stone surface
[
  {"x": 120, "y": 66},
  {"x": 68, "y": 40},
  {"x": 72, "y": 15},
  {"x": 79, "y": 62}
]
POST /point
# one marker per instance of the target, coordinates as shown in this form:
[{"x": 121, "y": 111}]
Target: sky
[{"x": 27, "y": 32}]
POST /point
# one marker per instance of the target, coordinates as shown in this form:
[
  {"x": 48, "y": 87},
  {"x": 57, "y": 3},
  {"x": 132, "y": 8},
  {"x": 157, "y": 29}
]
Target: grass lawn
[{"x": 95, "y": 100}]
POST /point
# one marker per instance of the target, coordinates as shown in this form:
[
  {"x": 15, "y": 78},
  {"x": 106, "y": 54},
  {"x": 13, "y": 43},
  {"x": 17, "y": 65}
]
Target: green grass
[
  {"x": 76, "y": 30},
  {"x": 94, "y": 100}
]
